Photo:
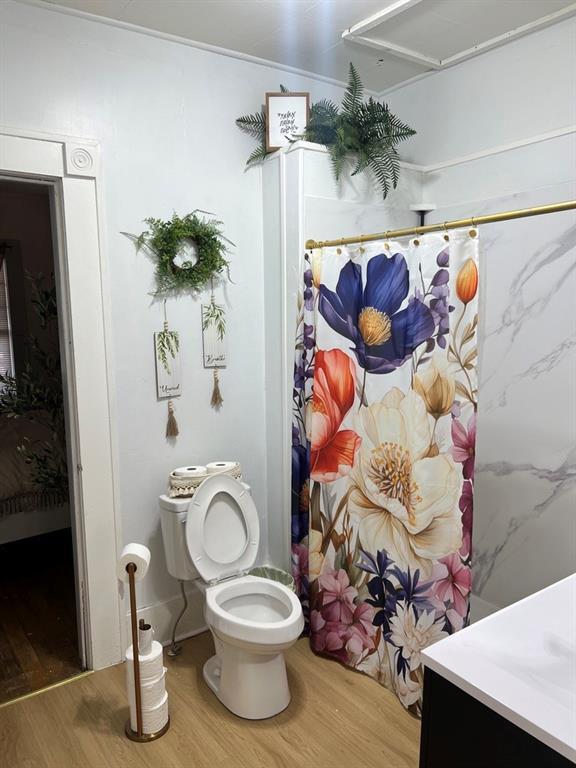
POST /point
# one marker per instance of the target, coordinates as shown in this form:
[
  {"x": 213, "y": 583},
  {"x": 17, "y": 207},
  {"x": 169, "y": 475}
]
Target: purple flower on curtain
[
  {"x": 300, "y": 568},
  {"x": 464, "y": 442},
  {"x": 390, "y": 586},
  {"x": 340, "y": 627},
  {"x": 384, "y": 336},
  {"x": 300, "y": 494},
  {"x": 308, "y": 293}
]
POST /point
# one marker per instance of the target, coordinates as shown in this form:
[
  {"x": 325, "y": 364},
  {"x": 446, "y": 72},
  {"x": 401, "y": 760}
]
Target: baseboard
[
  {"x": 480, "y": 608},
  {"x": 163, "y": 615}
]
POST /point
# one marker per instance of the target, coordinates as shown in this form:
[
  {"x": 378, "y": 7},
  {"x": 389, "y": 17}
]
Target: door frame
[{"x": 71, "y": 167}]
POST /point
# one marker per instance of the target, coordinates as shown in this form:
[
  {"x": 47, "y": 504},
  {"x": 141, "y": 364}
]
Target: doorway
[
  {"x": 70, "y": 167},
  {"x": 38, "y": 607}
]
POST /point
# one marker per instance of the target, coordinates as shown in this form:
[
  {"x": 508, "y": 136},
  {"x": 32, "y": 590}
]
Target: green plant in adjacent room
[
  {"x": 35, "y": 395},
  {"x": 363, "y": 132}
]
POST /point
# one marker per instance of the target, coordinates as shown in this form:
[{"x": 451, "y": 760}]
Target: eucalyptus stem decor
[
  {"x": 214, "y": 314},
  {"x": 167, "y": 345},
  {"x": 364, "y": 132}
]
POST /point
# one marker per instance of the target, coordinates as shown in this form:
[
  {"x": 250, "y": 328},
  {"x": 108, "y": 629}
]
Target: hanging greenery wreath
[{"x": 167, "y": 240}]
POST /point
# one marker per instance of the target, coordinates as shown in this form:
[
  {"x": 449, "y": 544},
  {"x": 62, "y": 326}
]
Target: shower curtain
[{"x": 383, "y": 433}]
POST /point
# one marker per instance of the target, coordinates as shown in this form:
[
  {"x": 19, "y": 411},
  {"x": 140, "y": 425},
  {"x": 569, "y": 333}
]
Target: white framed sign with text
[{"x": 286, "y": 118}]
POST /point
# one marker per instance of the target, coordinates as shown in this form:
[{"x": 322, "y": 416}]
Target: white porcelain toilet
[{"x": 215, "y": 536}]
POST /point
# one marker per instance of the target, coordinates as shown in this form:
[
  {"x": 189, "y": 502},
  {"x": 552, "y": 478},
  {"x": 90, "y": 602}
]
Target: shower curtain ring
[
  {"x": 473, "y": 232},
  {"x": 446, "y": 235}
]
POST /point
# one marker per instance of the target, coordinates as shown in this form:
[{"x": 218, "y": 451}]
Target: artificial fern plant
[{"x": 364, "y": 132}]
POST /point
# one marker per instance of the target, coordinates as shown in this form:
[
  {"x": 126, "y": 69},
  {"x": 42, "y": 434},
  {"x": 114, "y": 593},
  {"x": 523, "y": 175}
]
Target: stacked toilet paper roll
[
  {"x": 153, "y": 693},
  {"x": 184, "y": 481}
]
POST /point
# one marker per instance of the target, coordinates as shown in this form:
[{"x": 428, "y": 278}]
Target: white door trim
[{"x": 72, "y": 165}]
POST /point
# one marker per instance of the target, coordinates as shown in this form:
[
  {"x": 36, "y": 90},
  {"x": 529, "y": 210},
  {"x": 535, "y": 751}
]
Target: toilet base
[{"x": 251, "y": 685}]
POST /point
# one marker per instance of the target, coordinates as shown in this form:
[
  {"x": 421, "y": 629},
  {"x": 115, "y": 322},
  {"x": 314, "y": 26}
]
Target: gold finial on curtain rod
[{"x": 522, "y": 213}]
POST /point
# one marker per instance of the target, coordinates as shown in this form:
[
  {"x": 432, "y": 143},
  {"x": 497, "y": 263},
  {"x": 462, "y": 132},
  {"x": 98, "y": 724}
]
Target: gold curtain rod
[{"x": 522, "y": 213}]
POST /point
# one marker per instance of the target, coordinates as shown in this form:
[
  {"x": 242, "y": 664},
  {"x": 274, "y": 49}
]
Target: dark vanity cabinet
[{"x": 460, "y": 732}]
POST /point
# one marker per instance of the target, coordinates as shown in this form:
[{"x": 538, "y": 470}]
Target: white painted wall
[
  {"x": 164, "y": 114},
  {"x": 519, "y": 90}
]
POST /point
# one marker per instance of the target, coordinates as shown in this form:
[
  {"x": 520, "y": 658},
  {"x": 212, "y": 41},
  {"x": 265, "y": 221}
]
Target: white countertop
[{"x": 521, "y": 662}]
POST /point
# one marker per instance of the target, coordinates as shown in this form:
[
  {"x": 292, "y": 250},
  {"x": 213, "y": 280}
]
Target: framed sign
[{"x": 286, "y": 117}]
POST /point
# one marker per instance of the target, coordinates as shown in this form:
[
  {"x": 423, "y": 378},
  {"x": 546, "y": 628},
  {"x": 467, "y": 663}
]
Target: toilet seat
[
  {"x": 222, "y": 529},
  {"x": 254, "y": 610}
]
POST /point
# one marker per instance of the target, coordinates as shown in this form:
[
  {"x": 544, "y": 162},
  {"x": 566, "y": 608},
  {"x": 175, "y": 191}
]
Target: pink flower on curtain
[
  {"x": 340, "y": 627},
  {"x": 464, "y": 442},
  {"x": 452, "y": 582},
  {"x": 333, "y": 449}
]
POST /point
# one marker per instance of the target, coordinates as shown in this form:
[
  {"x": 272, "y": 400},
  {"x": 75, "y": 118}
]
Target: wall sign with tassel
[
  {"x": 213, "y": 331},
  {"x": 168, "y": 371}
]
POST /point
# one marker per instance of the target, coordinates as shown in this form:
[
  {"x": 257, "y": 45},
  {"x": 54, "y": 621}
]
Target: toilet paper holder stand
[{"x": 138, "y": 734}]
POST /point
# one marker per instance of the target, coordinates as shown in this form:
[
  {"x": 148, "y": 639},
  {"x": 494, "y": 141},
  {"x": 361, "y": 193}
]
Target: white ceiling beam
[
  {"x": 398, "y": 50},
  {"x": 399, "y": 6}
]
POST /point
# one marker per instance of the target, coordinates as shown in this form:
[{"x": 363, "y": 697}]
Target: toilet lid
[{"x": 222, "y": 528}]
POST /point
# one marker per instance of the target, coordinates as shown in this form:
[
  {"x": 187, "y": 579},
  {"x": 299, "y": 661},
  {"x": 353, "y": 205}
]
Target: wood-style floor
[
  {"x": 336, "y": 719},
  {"x": 38, "y": 634}
]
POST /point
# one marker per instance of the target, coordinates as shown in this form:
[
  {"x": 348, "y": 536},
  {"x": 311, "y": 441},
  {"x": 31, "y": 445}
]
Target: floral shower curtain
[{"x": 384, "y": 426}]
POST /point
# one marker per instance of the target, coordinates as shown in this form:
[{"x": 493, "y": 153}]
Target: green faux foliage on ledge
[{"x": 364, "y": 132}]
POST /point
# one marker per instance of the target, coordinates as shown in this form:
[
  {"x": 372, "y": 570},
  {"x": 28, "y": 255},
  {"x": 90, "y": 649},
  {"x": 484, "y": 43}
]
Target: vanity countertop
[{"x": 521, "y": 662}]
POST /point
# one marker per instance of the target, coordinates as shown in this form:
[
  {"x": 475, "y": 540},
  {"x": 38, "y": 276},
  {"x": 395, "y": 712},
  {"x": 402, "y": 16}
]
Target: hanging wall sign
[
  {"x": 213, "y": 332},
  {"x": 286, "y": 118},
  {"x": 213, "y": 337},
  {"x": 168, "y": 370}
]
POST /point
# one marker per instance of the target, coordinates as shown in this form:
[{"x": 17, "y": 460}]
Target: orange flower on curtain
[{"x": 333, "y": 449}]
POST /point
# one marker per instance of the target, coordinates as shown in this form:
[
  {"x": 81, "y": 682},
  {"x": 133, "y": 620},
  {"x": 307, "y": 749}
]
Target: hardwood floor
[
  {"x": 38, "y": 635},
  {"x": 336, "y": 719}
]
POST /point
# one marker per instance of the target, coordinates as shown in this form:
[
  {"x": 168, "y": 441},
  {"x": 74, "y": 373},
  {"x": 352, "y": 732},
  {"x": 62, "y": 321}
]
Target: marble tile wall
[{"x": 525, "y": 507}]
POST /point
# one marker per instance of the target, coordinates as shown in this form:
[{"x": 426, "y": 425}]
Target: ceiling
[{"x": 389, "y": 41}]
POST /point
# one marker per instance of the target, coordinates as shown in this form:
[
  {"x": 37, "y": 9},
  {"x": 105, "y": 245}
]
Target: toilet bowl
[{"x": 215, "y": 536}]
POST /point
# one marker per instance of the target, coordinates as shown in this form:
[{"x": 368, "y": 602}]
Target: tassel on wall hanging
[
  {"x": 168, "y": 372},
  {"x": 213, "y": 331}
]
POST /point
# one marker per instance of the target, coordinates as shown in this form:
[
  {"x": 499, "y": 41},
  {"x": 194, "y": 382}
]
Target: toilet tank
[{"x": 173, "y": 516}]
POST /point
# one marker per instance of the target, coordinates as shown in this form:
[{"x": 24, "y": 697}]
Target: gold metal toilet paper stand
[{"x": 138, "y": 734}]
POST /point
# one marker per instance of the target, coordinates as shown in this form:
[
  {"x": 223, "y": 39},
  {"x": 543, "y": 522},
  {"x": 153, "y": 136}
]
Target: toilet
[{"x": 213, "y": 538}]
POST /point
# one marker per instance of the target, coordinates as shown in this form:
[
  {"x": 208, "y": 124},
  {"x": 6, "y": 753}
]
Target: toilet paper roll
[
  {"x": 152, "y": 719},
  {"x": 193, "y": 471},
  {"x": 134, "y": 553},
  {"x": 151, "y": 664},
  {"x": 151, "y": 694},
  {"x": 145, "y": 638},
  {"x": 221, "y": 466}
]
